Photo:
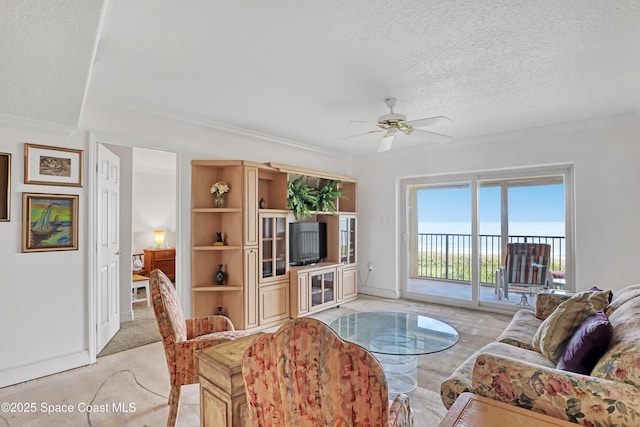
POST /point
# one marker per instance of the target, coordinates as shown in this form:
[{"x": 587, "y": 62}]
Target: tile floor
[{"x": 130, "y": 388}]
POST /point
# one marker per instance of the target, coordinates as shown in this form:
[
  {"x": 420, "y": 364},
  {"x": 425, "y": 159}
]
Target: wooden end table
[
  {"x": 223, "y": 401},
  {"x": 477, "y": 411}
]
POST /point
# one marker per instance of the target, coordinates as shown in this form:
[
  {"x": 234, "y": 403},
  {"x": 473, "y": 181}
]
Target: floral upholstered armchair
[
  {"x": 183, "y": 337},
  {"x": 305, "y": 375}
]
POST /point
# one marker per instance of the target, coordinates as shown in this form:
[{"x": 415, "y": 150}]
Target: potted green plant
[
  {"x": 327, "y": 195},
  {"x": 301, "y": 197}
]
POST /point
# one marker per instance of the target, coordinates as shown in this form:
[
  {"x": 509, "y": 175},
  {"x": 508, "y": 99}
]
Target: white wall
[
  {"x": 605, "y": 155},
  {"x": 44, "y": 296},
  {"x": 154, "y": 200}
]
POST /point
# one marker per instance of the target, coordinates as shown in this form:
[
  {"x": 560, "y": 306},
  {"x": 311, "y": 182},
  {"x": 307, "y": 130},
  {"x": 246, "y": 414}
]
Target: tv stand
[{"x": 314, "y": 288}]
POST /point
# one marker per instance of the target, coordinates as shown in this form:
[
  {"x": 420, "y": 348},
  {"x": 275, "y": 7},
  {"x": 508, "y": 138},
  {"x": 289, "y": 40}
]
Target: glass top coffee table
[{"x": 396, "y": 339}]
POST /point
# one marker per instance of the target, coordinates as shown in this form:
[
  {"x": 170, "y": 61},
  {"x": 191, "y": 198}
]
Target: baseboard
[
  {"x": 126, "y": 316},
  {"x": 378, "y": 292},
  {"x": 42, "y": 368}
]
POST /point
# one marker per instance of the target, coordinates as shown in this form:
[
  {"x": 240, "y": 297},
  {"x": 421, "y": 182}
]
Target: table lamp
[{"x": 159, "y": 236}]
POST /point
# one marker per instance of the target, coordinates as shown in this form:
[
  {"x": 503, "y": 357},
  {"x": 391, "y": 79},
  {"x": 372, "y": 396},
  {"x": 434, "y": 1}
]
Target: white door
[{"x": 108, "y": 283}]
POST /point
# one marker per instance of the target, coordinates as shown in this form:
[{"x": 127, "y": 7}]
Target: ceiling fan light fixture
[
  {"x": 392, "y": 123},
  {"x": 387, "y": 140}
]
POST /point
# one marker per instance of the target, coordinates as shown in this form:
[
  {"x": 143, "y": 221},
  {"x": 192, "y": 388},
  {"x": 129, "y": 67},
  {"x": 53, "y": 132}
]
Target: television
[{"x": 307, "y": 242}]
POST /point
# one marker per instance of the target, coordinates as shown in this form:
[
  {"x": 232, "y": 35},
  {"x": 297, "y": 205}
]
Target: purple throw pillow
[{"x": 587, "y": 345}]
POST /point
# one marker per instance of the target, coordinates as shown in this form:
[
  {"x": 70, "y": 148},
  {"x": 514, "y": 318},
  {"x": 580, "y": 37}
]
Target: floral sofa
[{"x": 512, "y": 370}]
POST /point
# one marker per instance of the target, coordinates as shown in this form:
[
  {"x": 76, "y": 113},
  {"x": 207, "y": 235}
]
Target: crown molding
[
  {"x": 593, "y": 123},
  {"x": 55, "y": 129},
  {"x": 219, "y": 126}
]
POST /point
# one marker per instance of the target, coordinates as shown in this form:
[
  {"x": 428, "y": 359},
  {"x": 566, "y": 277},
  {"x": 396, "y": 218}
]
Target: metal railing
[{"x": 448, "y": 256}]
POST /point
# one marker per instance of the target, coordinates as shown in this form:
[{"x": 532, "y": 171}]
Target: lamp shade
[{"x": 159, "y": 236}]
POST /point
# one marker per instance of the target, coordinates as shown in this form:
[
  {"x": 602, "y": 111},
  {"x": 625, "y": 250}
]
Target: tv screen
[{"x": 307, "y": 242}]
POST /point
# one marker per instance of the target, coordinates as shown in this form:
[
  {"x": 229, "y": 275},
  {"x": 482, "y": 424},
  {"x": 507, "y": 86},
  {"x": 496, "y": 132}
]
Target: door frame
[{"x": 92, "y": 228}]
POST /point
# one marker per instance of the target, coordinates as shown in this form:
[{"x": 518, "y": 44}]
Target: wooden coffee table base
[{"x": 477, "y": 411}]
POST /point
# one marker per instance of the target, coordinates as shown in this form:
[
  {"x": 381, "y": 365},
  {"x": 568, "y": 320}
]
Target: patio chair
[
  {"x": 525, "y": 268},
  {"x": 183, "y": 337},
  {"x": 305, "y": 375}
]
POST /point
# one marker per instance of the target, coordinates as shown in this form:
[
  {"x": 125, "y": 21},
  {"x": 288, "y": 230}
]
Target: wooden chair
[
  {"x": 183, "y": 337},
  {"x": 525, "y": 268},
  {"x": 137, "y": 264},
  {"x": 305, "y": 375}
]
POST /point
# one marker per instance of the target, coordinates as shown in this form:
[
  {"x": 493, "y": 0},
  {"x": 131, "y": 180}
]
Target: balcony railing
[{"x": 448, "y": 256}]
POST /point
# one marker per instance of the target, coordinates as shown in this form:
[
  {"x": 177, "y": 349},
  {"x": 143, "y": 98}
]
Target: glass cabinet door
[
  {"x": 266, "y": 252},
  {"x": 273, "y": 246},
  {"x": 280, "y": 246},
  {"x": 329, "y": 287},
  {"x": 316, "y": 290},
  {"x": 347, "y": 225},
  {"x": 323, "y": 286}
]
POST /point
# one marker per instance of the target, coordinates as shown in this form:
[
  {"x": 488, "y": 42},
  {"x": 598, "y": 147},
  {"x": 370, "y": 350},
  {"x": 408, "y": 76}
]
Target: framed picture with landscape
[
  {"x": 49, "y": 222},
  {"x": 5, "y": 187},
  {"x": 52, "y": 165}
]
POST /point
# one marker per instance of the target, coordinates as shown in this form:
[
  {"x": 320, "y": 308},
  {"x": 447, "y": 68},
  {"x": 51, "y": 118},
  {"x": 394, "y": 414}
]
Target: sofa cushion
[
  {"x": 554, "y": 331},
  {"x": 622, "y": 296},
  {"x": 620, "y": 362},
  {"x": 522, "y": 327},
  {"x": 460, "y": 380},
  {"x": 547, "y": 302},
  {"x": 587, "y": 344}
]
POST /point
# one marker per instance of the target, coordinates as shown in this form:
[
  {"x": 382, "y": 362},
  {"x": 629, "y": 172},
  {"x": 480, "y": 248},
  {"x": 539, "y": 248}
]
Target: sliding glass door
[
  {"x": 520, "y": 209},
  {"x": 457, "y": 229},
  {"x": 440, "y": 239}
]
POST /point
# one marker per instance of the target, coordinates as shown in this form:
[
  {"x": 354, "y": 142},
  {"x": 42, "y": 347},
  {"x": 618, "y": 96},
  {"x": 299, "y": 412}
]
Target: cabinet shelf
[
  {"x": 216, "y": 210},
  {"x": 221, "y": 288},
  {"x": 216, "y": 248}
]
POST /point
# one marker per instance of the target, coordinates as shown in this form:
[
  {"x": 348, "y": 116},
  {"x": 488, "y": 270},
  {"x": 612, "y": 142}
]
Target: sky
[{"x": 540, "y": 203}]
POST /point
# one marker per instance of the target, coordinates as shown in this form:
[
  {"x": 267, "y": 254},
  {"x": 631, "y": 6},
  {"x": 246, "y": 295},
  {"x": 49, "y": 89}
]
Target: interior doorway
[{"x": 148, "y": 203}]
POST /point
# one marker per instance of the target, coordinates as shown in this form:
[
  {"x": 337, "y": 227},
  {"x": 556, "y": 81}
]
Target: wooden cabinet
[
  {"x": 250, "y": 206},
  {"x": 274, "y": 303},
  {"x": 274, "y": 243},
  {"x": 206, "y": 256},
  {"x": 342, "y": 248},
  {"x": 341, "y": 237},
  {"x": 251, "y": 288},
  {"x": 163, "y": 259},
  {"x": 349, "y": 284},
  {"x": 254, "y": 222},
  {"x": 314, "y": 288}
]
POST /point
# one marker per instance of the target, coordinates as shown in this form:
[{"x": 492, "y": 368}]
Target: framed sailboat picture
[{"x": 49, "y": 222}]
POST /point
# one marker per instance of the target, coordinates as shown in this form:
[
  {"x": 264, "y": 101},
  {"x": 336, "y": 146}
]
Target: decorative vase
[
  {"x": 221, "y": 276},
  {"x": 219, "y": 201}
]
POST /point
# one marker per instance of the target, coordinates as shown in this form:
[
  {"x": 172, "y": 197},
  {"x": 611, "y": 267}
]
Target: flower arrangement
[{"x": 219, "y": 188}]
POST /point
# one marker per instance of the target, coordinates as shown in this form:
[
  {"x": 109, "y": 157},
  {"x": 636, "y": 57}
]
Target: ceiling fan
[{"x": 393, "y": 123}]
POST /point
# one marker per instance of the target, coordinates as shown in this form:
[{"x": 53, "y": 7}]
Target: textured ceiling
[
  {"x": 312, "y": 72},
  {"x": 46, "y": 49}
]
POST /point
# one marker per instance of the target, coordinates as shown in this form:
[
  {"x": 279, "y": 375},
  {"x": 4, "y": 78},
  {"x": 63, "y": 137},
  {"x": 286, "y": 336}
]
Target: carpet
[{"x": 135, "y": 333}]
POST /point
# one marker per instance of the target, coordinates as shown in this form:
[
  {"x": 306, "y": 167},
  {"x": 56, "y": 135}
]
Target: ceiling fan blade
[
  {"x": 431, "y": 136},
  {"x": 429, "y": 121},
  {"x": 385, "y": 143},
  {"x": 360, "y": 134}
]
